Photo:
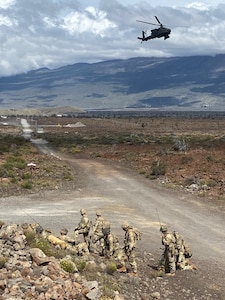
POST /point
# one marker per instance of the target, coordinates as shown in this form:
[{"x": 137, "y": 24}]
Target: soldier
[
  {"x": 182, "y": 253},
  {"x": 47, "y": 234},
  {"x": 129, "y": 248},
  {"x": 83, "y": 227},
  {"x": 168, "y": 241},
  {"x": 65, "y": 237},
  {"x": 97, "y": 233},
  {"x": 80, "y": 249},
  {"x": 111, "y": 242}
]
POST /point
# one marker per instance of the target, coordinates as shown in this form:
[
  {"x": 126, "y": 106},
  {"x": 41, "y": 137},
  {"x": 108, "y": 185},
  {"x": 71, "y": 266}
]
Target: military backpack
[{"x": 137, "y": 234}]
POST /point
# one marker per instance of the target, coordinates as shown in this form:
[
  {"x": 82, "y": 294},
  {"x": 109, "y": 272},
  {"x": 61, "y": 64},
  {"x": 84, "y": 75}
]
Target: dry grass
[{"x": 187, "y": 151}]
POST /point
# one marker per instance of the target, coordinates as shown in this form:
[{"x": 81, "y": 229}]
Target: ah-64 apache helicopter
[{"x": 155, "y": 33}]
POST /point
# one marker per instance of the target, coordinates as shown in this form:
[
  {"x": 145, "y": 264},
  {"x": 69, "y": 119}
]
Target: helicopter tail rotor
[
  {"x": 143, "y": 38},
  {"x": 143, "y": 34}
]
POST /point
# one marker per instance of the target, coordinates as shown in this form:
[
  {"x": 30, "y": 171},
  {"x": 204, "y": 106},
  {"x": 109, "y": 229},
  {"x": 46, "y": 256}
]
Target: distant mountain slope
[{"x": 175, "y": 83}]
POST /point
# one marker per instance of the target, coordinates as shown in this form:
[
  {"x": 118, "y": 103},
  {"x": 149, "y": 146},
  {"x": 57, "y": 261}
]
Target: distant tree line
[{"x": 151, "y": 114}]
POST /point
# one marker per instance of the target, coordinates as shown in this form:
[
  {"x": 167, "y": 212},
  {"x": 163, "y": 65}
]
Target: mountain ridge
[{"x": 190, "y": 83}]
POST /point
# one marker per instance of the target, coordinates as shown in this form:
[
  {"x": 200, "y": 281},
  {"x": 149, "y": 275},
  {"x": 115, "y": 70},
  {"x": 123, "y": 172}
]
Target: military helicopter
[{"x": 155, "y": 33}]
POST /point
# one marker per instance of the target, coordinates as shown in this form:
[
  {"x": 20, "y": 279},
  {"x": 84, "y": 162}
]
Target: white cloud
[
  {"x": 4, "y": 20},
  {"x": 6, "y": 3},
  {"x": 91, "y": 21},
  {"x": 199, "y": 5}
]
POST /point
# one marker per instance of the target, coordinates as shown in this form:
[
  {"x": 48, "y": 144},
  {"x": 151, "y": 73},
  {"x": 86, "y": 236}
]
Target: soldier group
[
  {"x": 99, "y": 239},
  {"x": 176, "y": 252}
]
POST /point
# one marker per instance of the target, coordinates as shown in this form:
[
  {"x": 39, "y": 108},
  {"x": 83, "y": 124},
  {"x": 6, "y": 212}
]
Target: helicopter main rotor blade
[
  {"x": 158, "y": 20},
  {"x": 147, "y": 22},
  {"x": 158, "y": 24}
]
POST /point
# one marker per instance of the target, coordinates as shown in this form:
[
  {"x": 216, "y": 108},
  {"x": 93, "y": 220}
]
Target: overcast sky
[{"x": 53, "y": 33}]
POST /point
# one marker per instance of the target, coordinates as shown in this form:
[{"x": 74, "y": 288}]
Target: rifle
[
  {"x": 158, "y": 218},
  {"x": 40, "y": 228},
  {"x": 30, "y": 216}
]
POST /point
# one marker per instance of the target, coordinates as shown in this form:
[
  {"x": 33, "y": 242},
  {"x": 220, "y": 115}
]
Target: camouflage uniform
[
  {"x": 83, "y": 227},
  {"x": 168, "y": 240},
  {"x": 111, "y": 244},
  {"x": 97, "y": 238},
  {"x": 65, "y": 237},
  {"x": 78, "y": 249},
  {"x": 82, "y": 249},
  {"x": 182, "y": 253},
  {"x": 129, "y": 248}
]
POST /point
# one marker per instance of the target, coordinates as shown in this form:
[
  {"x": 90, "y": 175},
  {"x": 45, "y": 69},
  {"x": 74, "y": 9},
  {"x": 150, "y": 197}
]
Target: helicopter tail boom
[{"x": 144, "y": 38}]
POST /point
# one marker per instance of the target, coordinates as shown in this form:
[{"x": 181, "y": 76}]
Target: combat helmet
[
  {"x": 125, "y": 225},
  {"x": 83, "y": 211},
  {"x": 39, "y": 229},
  {"x": 163, "y": 228},
  {"x": 64, "y": 231},
  {"x": 98, "y": 213}
]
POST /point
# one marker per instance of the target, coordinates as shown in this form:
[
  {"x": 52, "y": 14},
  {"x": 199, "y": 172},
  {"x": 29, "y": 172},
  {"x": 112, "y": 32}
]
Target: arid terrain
[
  {"x": 178, "y": 152},
  {"x": 129, "y": 168}
]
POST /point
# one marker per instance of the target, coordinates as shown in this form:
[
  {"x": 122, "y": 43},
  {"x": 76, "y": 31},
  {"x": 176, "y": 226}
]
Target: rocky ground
[{"x": 27, "y": 273}]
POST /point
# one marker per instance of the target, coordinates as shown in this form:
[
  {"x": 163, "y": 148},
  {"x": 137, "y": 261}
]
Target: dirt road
[{"x": 126, "y": 196}]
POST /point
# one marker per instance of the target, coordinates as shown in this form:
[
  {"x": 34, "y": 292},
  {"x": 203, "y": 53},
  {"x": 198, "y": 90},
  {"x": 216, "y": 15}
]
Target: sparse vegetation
[
  {"x": 158, "y": 168},
  {"x": 68, "y": 265},
  {"x": 27, "y": 185},
  {"x": 174, "y": 149},
  {"x": 3, "y": 261},
  {"x": 15, "y": 173},
  {"x": 111, "y": 268},
  {"x": 81, "y": 264}
]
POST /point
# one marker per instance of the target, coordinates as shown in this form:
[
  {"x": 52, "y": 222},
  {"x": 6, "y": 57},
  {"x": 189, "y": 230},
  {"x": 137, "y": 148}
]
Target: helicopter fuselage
[{"x": 160, "y": 32}]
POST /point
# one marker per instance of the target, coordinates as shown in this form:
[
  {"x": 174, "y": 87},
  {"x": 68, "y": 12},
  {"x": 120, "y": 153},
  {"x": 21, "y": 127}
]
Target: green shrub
[
  {"x": 158, "y": 168},
  {"x": 68, "y": 176},
  {"x": 68, "y": 266},
  {"x": 45, "y": 246},
  {"x": 111, "y": 268},
  {"x": 3, "y": 172},
  {"x": 74, "y": 150},
  {"x": 26, "y": 176},
  {"x": 15, "y": 162},
  {"x": 27, "y": 185},
  {"x": 180, "y": 145},
  {"x": 210, "y": 159},
  {"x": 81, "y": 264},
  {"x": 211, "y": 183},
  {"x": 14, "y": 180},
  {"x": 30, "y": 236},
  {"x": 3, "y": 261}
]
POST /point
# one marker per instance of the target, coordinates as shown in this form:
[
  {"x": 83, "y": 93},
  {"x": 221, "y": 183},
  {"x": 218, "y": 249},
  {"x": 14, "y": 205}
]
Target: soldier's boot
[
  {"x": 123, "y": 269},
  {"x": 170, "y": 274},
  {"x": 190, "y": 267},
  {"x": 133, "y": 274}
]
